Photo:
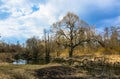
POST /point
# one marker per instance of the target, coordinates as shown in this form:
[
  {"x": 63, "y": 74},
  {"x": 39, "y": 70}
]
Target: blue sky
[{"x": 22, "y": 19}]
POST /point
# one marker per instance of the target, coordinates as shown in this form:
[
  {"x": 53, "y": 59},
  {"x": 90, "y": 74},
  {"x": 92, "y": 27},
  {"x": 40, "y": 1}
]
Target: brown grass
[{"x": 58, "y": 71}]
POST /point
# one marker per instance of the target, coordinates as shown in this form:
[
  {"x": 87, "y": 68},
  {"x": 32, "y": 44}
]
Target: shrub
[{"x": 58, "y": 60}]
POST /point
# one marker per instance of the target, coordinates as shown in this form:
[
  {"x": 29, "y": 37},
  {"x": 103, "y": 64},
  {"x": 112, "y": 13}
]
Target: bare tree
[
  {"x": 71, "y": 32},
  {"x": 47, "y": 47}
]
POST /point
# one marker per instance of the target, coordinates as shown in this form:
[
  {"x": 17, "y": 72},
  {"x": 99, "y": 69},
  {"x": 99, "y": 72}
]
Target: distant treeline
[{"x": 68, "y": 37}]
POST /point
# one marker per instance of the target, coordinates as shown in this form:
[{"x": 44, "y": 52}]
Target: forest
[{"x": 70, "y": 49}]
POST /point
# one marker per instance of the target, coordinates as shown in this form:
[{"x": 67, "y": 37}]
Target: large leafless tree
[{"x": 71, "y": 32}]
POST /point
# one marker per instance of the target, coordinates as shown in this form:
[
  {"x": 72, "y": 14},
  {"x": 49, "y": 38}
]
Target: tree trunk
[
  {"x": 71, "y": 52},
  {"x": 47, "y": 59},
  {"x": 71, "y": 55}
]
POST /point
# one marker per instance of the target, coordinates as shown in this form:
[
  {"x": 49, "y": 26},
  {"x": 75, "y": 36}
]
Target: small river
[{"x": 20, "y": 61}]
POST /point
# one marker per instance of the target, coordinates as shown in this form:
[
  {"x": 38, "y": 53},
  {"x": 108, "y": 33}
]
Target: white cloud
[
  {"x": 111, "y": 22},
  {"x": 25, "y": 23},
  {"x": 117, "y": 21}
]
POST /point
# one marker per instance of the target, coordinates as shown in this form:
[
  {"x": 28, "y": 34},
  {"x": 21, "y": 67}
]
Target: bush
[{"x": 58, "y": 60}]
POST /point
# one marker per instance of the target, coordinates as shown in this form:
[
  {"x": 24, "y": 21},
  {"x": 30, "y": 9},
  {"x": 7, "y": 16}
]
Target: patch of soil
[{"x": 54, "y": 72}]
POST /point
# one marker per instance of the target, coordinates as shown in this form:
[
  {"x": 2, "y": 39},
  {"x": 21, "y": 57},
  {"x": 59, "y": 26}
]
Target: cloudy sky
[{"x": 22, "y": 19}]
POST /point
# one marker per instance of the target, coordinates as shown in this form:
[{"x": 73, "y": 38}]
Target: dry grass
[
  {"x": 93, "y": 71},
  {"x": 10, "y": 71},
  {"x": 22, "y": 74},
  {"x": 113, "y": 58},
  {"x": 3, "y": 76}
]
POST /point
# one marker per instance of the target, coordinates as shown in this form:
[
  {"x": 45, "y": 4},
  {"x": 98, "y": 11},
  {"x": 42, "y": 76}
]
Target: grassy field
[
  {"x": 10, "y": 71},
  {"x": 83, "y": 67}
]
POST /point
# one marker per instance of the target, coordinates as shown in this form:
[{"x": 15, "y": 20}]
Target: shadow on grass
[{"x": 55, "y": 72}]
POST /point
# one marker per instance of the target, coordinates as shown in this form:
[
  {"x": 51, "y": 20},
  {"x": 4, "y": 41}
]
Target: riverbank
[{"x": 87, "y": 70}]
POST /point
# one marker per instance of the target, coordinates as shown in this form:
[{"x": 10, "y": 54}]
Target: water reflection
[{"x": 20, "y": 61}]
